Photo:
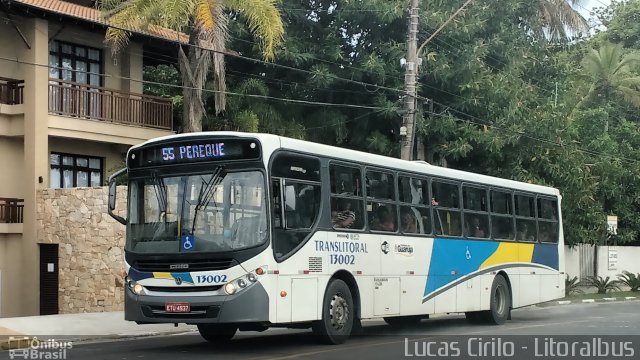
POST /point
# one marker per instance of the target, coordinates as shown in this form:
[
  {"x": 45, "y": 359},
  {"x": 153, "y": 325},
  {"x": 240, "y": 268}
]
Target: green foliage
[
  {"x": 604, "y": 285},
  {"x": 621, "y": 22},
  {"x": 164, "y": 81},
  {"x": 630, "y": 279},
  {"x": 572, "y": 286},
  {"x": 508, "y": 99}
]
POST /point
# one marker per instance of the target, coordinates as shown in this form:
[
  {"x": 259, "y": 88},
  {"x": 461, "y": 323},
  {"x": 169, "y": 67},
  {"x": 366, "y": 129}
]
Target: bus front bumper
[{"x": 248, "y": 306}]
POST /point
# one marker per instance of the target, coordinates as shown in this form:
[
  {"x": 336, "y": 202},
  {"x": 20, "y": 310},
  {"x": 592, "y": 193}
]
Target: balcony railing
[
  {"x": 11, "y": 91},
  {"x": 86, "y": 101},
  {"x": 11, "y": 210}
]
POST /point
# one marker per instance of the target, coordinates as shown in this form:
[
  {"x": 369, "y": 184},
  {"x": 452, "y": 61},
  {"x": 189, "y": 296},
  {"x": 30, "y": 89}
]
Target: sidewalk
[{"x": 79, "y": 327}]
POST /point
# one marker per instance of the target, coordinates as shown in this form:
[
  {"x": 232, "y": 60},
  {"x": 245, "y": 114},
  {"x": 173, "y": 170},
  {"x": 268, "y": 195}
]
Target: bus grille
[
  {"x": 184, "y": 266},
  {"x": 183, "y": 288},
  {"x": 315, "y": 264},
  {"x": 197, "y": 312}
]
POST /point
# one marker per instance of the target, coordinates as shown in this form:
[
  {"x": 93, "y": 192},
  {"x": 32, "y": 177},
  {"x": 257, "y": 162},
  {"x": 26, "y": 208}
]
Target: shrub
[
  {"x": 630, "y": 279},
  {"x": 603, "y": 285},
  {"x": 571, "y": 286}
]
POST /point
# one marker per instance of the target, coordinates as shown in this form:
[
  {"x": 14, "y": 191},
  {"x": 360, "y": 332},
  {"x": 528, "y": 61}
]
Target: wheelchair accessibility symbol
[
  {"x": 187, "y": 242},
  {"x": 468, "y": 254}
]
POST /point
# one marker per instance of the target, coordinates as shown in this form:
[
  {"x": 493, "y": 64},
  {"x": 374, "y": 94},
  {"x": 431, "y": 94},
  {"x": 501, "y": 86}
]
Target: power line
[
  {"x": 303, "y": 102},
  {"x": 311, "y": 102}
]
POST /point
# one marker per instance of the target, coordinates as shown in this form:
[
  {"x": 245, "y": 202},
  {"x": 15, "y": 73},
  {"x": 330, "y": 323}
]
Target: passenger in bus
[
  {"x": 383, "y": 220},
  {"x": 408, "y": 222},
  {"x": 476, "y": 229},
  {"x": 343, "y": 217},
  {"x": 524, "y": 233}
]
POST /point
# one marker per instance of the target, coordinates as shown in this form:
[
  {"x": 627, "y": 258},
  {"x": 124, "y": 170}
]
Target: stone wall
[{"x": 91, "y": 264}]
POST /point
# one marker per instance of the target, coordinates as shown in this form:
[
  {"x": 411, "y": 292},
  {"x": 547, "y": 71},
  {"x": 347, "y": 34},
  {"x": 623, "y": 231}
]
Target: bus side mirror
[{"x": 113, "y": 189}]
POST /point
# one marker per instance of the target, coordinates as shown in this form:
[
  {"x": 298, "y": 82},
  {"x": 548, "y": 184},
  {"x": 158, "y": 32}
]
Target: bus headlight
[
  {"x": 135, "y": 287},
  {"x": 243, "y": 282},
  {"x": 230, "y": 288},
  {"x": 138, "y": 289}
]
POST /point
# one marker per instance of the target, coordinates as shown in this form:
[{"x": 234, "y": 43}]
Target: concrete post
[{"x": 36, "y": 152}]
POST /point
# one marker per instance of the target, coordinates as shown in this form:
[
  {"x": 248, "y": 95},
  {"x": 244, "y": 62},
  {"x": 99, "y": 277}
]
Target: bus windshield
[{"x": 213, "y": 212}]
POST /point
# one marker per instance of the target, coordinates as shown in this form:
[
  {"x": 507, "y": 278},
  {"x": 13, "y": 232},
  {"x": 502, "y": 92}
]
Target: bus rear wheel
[
  {"x": 500, "y": 303},
  {"x": 337, "y": 314},
  {"x": 216, "y": 333}
]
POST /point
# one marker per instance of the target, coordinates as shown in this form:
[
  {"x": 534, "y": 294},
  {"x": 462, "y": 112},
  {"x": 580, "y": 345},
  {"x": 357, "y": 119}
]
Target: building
[{"x": 69, "y": 110}]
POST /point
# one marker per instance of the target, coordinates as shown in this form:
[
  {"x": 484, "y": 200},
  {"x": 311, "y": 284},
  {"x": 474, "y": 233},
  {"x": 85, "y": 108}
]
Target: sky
[{"x": 590, "y": 4}]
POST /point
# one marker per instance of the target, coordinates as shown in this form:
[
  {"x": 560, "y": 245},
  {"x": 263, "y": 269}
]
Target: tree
[
  {"x": 610, "y": 72},
  {"x": 621, "y": 22},
  {"x": 560, "y": 20},
  {"x": 205, "y": 23}
]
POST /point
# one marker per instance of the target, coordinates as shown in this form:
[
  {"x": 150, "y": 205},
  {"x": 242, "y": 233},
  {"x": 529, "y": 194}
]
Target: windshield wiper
[
  {"x": 161, "y": 192},
  {"x": 207, "y": 191}
]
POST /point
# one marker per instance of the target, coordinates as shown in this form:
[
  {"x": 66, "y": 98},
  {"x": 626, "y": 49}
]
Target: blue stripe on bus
[
  {"x": 452, "y": 259},
  {"x": 546, "y": 254}
]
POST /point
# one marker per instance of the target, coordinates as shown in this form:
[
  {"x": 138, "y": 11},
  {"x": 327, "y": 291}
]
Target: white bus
[{"x": 236, "y": 231}]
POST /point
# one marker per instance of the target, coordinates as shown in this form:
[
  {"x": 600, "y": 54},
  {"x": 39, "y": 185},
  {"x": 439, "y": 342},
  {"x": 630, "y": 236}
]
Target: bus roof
[{"x": 270, "y": 141}]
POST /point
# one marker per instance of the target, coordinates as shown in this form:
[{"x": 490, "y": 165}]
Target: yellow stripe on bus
[
  {"x": 509, "y": 253},
  {"x": 162, "y": 275}
]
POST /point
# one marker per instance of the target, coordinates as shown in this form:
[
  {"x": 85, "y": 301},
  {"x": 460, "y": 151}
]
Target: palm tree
[
  {"x": 205, "y": 23},
  {"x": 560, "y": 20},
  {"x": 610, "y": 72}
]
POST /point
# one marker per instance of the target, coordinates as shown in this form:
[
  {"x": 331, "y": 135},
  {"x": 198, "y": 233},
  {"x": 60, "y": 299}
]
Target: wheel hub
[
  {"x": 499, "y": 299},
  {"x": 339, "y": 312}
]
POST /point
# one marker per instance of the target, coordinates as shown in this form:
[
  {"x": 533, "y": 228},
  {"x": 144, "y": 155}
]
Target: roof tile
[{"x": 93, "y": 15}]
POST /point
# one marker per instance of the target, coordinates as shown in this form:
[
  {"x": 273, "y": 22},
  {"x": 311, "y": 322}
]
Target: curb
[{"x": 567, "y": 302}]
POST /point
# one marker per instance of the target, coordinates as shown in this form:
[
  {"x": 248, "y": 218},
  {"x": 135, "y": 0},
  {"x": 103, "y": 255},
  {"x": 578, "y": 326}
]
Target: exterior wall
[
  {"x": 127, "y": 63},
  {"x": 113, "y": 154},
  {"x": 627, "y": 256},
  {"x": 10, "y": 245},
  {"x": 91, "y": 247},
  {"x": 9, "y": 42},
  {"x": 572, "y": 261},
  {"x": 96, "y": 130},
  {"x": 28, "y": 134},
  {"x": 36, "y": 157},
  {"x": 12, "y": 175}
]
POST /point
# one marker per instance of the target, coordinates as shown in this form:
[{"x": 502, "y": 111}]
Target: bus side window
[
  {"x": 446, "y": 207},
  {"x": 295, "y": 200},
  {"x": 276, "y": 203}
]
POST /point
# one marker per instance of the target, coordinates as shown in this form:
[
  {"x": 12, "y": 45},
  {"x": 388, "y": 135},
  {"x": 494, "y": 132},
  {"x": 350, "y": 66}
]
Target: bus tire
[
  {"x": 404, "y": 321},
  {"x": 338, "y": 314},
  {"x": 216, "y": 333},
  {"x": 500, "y": 302}
]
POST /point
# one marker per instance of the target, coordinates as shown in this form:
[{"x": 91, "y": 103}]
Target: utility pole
[
  {"x": 407, "y": 131},
  {"x": 410, "y": 77}
]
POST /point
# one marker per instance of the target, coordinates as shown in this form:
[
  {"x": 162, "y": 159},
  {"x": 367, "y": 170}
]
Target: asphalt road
[{"x": 547, "y": 325}]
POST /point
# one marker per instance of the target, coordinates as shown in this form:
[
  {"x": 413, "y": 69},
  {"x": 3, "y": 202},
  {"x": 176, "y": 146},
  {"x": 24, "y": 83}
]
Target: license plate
[{"x": 177, "y": 307}]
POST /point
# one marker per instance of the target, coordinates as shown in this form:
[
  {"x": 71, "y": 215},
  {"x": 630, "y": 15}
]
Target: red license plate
[{"x": 177, "y": 307}]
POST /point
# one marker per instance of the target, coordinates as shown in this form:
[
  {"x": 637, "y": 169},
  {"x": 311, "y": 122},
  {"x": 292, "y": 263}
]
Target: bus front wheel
[
  {"x": 216, "y": 333},
  {"x": 500, "y": 304},
  {"x": 337, "y": 314}
]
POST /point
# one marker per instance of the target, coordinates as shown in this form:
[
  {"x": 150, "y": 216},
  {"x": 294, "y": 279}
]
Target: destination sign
[{"x": 201, "y": 150}]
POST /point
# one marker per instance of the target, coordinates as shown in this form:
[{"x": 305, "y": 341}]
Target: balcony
[
  {"x": 11, "y": 215},
  {"x": 85, "y": 101},
  {"x": 11, "y": 210},
  {"x": 11, "y": 91}
]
